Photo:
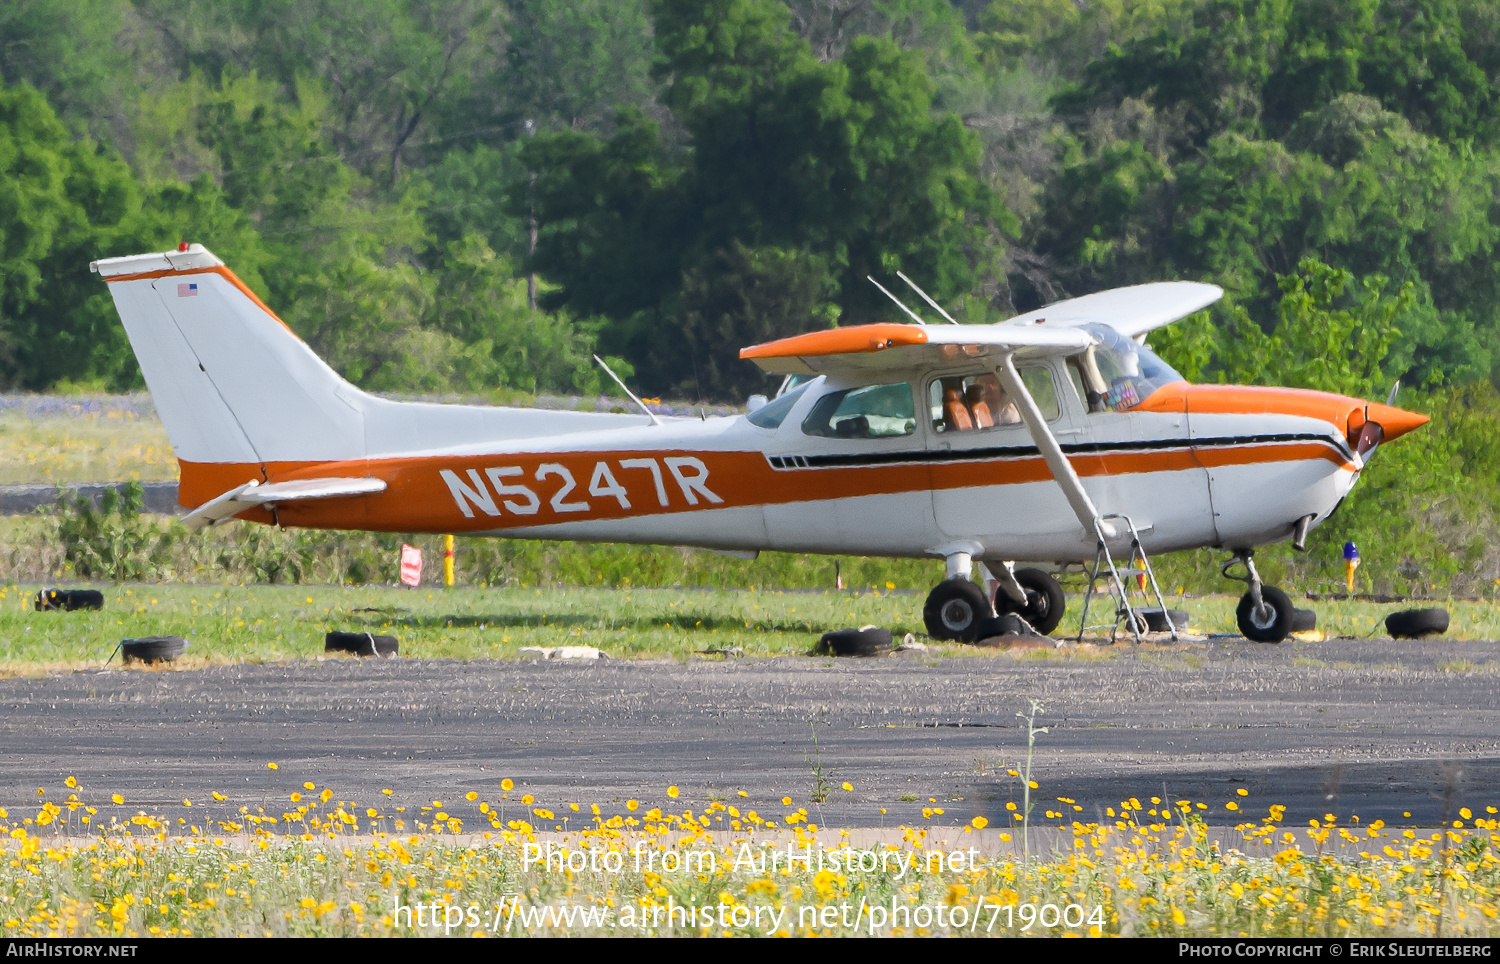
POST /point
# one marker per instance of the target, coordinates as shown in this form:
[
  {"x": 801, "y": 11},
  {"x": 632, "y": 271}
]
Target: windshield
[
  {"x": 1131, "y": 372},
  {"x": 774, "y": 413}
]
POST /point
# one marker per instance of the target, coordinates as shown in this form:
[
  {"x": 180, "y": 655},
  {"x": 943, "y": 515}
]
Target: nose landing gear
[
  {"x": 1264, "y": 613},
  {"x": 961, "y": 610}
]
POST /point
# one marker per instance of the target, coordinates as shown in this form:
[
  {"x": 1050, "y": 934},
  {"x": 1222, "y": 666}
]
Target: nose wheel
[{"x": 1265, "y": 613}]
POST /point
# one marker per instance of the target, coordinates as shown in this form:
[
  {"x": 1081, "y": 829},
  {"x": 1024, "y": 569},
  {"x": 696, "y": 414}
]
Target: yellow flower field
[{"x": 310, "y": 864}]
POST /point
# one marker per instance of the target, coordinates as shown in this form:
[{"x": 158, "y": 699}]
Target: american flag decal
[{"x": 187, "y": 291}]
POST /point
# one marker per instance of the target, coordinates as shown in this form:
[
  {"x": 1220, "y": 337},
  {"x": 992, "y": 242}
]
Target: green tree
[
  {"x": 481, "y": 304},
  {"x": 566, "y": 66},
  {"x": 1334, "y": 334},
  {"x": 845, "y": 162},
  {"x": 64, "y": 201},
  {"x": 744, "y": 296},
  {"x": 67, "y": 50}
]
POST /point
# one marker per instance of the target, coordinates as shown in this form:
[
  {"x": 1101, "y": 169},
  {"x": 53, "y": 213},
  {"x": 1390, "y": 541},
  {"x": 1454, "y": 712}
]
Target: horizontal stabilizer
[{"x": 254, "y": 494}]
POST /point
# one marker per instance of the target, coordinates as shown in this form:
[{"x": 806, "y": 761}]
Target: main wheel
[
  {"x": 1272, "y": 626},
  {"x": 955, "y": 610},
  {"x": 1044, "y": 600}
]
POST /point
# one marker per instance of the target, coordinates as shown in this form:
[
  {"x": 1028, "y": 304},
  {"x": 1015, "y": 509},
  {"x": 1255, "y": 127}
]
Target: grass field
[
  {"x": 59, "y": 439},
  {"x": 225, "y": 624}
]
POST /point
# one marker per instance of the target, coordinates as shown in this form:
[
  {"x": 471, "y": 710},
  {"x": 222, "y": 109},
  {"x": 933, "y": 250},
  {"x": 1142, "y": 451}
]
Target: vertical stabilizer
[
  {"x": 244, "y": 399},
  {"x": 232, "y": 383}
]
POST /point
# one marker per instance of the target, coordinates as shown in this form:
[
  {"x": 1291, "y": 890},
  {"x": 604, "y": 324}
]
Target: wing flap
[{"x": 255, "y": 494}]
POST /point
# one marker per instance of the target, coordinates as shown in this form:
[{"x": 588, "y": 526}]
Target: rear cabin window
[
  {"x": 875, "y": 411},
  {"x": 976, "y": 402}
]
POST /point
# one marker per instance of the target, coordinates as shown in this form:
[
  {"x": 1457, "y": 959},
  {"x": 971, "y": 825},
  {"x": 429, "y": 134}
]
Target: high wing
[
  {"x": 1130, "y": 311},
  {"x": 887, "y": 346},
  {"x": 1051, "y": 330}
]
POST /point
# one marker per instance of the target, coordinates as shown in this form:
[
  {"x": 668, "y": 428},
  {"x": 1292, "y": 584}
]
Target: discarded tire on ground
[
  {"x": 153, "y": 649},
  {"x": 1416, "y": 623},
  {"x": 360, "y": 644},
  {"x": 1304, "y": 620},
  {"x": 1005, "y": 624},
  {"x": 69, "y": 599},
  {"x": 1156, "y": 620},
  {"x": 869, "y": 641}
]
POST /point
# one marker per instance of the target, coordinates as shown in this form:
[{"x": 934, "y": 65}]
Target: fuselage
[{"x": 1190, "y": 465}]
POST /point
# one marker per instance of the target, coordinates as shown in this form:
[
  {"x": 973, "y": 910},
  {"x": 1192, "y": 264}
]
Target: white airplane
[{"x": 1054, "y": 437}]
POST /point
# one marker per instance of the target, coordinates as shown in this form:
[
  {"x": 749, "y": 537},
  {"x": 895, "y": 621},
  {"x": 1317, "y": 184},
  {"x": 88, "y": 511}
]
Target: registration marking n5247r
[{"x": 488, "y": 492}]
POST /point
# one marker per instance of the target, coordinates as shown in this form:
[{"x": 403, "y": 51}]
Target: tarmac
[{"x": 1373, "y": 728}]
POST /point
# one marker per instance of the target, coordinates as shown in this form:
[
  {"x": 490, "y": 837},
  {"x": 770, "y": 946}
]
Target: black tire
[
  {"x": 871, "y": 641},
  {"x": 1304, "y": 620},
  {"x": 360, "y": 644},
  {"x": 1004, "y": 624},
  {"x": 69, "y": 599},
  {"x": 1156, "y": 622},
  {"x": 1416, "y": 623},
  {"x": 956, "y": 609},
  {"x": 153, "y": 649},
  {"x": 1265, "y": 630},
  {"x": 1045, "y": 602}
]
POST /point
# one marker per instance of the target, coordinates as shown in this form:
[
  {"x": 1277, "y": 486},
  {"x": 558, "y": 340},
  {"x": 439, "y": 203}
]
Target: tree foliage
[{"x": 832, "y": 171}]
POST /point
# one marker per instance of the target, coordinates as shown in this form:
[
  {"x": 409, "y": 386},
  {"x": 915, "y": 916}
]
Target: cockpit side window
[{"x": 874, "y": 411}]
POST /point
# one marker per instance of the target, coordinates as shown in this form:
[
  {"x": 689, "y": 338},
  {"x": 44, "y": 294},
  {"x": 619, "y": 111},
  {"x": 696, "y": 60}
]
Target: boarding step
[{"x": 1138, "y": 566}]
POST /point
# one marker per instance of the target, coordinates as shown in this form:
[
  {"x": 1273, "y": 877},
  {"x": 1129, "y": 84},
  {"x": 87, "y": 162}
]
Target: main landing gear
[
  {"x": 956, "y": 609},
  {"x": 960, "y": 610},
  {"x": 1044, "y": 605},
  {"x": 1264, "y": 613}
]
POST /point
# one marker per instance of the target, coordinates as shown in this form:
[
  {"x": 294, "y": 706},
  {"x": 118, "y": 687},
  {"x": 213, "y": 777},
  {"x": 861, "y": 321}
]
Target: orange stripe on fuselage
[
  {"x": 200, "y": 482},
  {"x": 572, "y": 487},
  {"x": 1274, "y": 452}
]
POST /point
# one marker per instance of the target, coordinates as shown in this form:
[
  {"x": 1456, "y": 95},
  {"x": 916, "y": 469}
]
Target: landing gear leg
[
  {"x": 957, "y": 608},
  {"x": 1264, "y": 613}
]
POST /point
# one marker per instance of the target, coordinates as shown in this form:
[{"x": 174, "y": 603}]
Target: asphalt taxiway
[{"x": 1371, "y": 727}]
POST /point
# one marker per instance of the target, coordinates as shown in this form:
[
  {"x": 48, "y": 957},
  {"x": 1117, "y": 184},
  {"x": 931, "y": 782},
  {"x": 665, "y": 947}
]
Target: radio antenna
[
  {"x": 936, "y": 307},
  {"x": 913, "y": 314},
  {"x": 610, "y": 371}
]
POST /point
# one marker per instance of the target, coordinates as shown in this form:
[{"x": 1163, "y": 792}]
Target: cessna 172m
[{"x": 1055, "y": 437}]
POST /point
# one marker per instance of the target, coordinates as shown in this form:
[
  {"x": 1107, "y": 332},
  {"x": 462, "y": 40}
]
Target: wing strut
[{"x": 1046, "y": 443}]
